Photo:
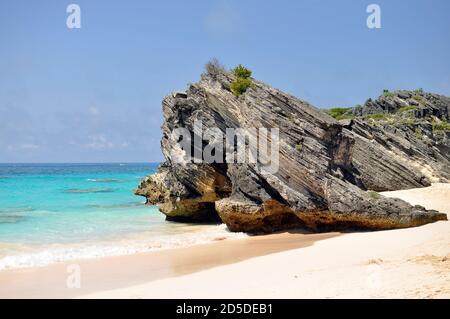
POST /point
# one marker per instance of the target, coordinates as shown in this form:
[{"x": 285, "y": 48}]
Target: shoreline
[
  {"x": 115, "y": 272},
  {"x": 402, "y": 263},
  {"x": 38, "y": 256}
]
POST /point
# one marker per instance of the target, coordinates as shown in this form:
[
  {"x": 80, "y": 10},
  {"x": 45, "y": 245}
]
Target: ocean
[{"x": 58, "y": 212}]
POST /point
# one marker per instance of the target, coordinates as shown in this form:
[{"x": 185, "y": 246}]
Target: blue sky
[{"x": 94, "y": 94}]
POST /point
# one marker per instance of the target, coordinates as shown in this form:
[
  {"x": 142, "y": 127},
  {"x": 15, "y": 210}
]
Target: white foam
[{"x": 59, "y": 253}]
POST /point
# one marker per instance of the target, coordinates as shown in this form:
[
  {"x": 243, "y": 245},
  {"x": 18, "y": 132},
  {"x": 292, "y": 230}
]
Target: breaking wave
[
  {"x": 105, "y": 180},
  {"x": 60, "y": 253}
]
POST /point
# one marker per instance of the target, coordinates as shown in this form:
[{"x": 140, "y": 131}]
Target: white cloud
[{"x": 101, "y": 142}]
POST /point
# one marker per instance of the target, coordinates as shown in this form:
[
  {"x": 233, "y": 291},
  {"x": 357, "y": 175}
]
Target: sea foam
[
  {"x": 40, "y": 257},
  {"x": 105, "y": 180}
]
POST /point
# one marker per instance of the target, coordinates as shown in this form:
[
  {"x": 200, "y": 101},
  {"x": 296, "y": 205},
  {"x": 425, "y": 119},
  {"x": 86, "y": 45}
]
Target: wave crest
[
  {"x": 49, "y": 255},
  {"x": 105, "y": 180}
]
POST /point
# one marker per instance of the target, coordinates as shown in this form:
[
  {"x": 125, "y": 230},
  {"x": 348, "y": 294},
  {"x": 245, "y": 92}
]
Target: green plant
[
  {"x": 441, "y": 126},
  {"x": 299, "y": 147},
  {"x": 340, "y": 113},
  {"x": 408, "y": 122},
  {"x": 386, "y": 93},
  {"x": 420, "y": 90},
  {"x": 374, "y": 195},
  {"x": 242, "y": 81},
  {"x": 419, "y": 133},
  {"x": 418, "y": 98},
  {"x": 407, "y": 108},
  {"x": 240, "y": 85},
  {"x": 242, "y": 72}
]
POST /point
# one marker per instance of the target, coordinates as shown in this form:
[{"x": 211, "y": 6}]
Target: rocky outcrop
[
  {"x": 185, "y": 197},
  {"x": 329, "y": 171},
  {"x": 422, "y": 104},
  {"x": 410, "y": 138}
]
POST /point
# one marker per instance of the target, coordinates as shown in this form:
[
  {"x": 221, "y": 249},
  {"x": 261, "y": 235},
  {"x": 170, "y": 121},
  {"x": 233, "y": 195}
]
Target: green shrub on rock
[
  {"x": 242, "y": 72},
  {"x": 240, "y": 85},
  {"x": 242, "y": 81},
  {"x": 441, "y": 126},
  {"x": 419, "y": 133},
  {"x": 387, "y": 93},
  {"x": 340, "y": 113},
  {"x": 407, "y": 108}
]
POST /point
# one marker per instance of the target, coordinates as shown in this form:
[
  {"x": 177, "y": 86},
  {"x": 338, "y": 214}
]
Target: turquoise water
[
  {"x": 58, "y": 203},
  {"x": 56, "y": 212}
]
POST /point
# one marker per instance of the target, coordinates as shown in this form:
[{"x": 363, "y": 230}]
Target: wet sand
[{"x": 124, "y": 271}]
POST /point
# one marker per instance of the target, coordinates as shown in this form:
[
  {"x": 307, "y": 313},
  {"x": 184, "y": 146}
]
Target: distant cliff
[{"x": 330, "y": 170}]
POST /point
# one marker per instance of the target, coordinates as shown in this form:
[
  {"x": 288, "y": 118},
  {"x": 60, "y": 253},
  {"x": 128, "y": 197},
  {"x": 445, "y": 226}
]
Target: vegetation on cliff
[{"x": 242, "y": 81}]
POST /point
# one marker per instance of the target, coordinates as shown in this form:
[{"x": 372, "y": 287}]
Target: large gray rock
[{"x": 326, "y": 168}]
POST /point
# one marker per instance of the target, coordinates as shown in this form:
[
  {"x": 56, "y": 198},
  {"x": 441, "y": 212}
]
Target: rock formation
[{"x": 329, "y": 171}]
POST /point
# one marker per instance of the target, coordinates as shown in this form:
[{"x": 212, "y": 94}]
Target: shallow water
[{"x": 56, "y": 212}]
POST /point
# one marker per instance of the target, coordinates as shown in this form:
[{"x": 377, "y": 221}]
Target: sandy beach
[
  {"x": 179, "y": 151},
  {"x": 405, "y": 263}
]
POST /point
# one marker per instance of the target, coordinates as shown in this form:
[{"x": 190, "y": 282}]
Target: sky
[{"x": 94, "y": 94}]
